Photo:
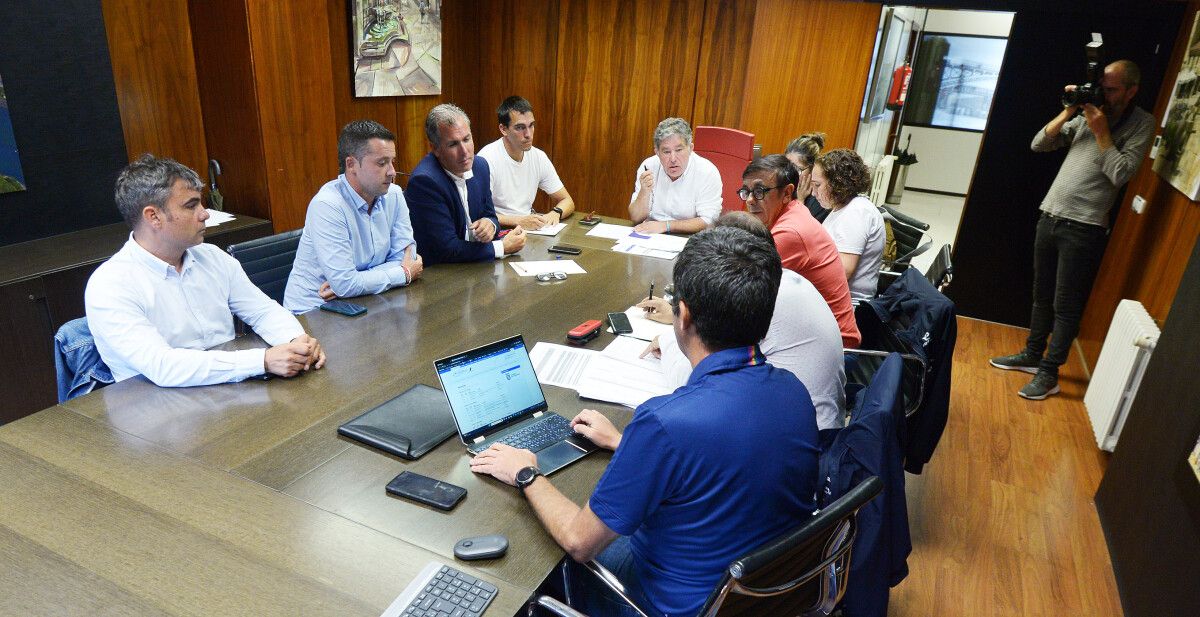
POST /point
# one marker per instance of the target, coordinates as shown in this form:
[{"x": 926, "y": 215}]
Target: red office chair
[{"x": 730, "y": 150}]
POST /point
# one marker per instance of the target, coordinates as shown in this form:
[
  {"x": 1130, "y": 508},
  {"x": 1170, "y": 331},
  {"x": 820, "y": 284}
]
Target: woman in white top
[
  {"x": 676, "y": 191},
  {"x": 838, "y": 178}
]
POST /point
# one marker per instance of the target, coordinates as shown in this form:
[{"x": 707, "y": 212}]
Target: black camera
[{"x": 1090, "y": 91}]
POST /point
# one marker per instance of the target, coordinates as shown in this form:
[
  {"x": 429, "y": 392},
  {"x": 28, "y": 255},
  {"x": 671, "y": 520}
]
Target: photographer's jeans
[{"x": 1066, "y": 258}]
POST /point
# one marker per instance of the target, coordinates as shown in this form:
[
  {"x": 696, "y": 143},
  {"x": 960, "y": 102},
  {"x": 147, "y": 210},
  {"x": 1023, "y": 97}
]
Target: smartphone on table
[
  {"x": 620, "y": 323},
  {"x": 341, "y": 307}
]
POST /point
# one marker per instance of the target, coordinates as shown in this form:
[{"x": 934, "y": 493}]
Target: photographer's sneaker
[
  {"x": 1024, "y": 361},
  {"x": 1044, "y": 384}
]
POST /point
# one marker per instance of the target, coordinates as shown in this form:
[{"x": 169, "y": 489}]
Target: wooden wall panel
[
  {"x": 807, "y": 70},
  {"x": 292, "y": 68},
  {"x": 625, "y": 66},
  {"x": 1147, "y": 253},
  {"x": 225, "y": 73},
  {"x": 724, "y": 62},
  {"x": 155, "y": 77}
]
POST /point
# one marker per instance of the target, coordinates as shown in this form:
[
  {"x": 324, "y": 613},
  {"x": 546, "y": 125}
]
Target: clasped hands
[
  {"x": 294, "y": 357},
  {"x": 503, "y": 461}
]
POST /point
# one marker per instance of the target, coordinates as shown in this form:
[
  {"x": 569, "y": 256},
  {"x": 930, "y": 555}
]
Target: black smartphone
[
  {"x": 426, "y": 490},
  {"x": 565, "y": 249},
  {"x": 620, "y": 323},
  {"x": 341, "y": 307},
  {"x": 595, "y": 220}
]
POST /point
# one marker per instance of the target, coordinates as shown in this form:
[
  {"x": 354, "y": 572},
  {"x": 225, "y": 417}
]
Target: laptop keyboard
[{"x": 549, "y": 430}]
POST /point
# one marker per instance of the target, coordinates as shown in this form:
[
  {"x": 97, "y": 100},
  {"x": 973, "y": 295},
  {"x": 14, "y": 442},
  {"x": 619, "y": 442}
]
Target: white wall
[
  {"x": 984, "y": 23},
  {"x": 945, "y": 158}
]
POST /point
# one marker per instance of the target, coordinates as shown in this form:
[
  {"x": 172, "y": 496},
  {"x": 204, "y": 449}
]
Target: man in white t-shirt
[
  {"x": 677, "y": 190},
  {"x": 519, "y": 170}
]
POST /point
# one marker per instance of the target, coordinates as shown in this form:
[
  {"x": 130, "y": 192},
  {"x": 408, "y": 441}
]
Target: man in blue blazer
[{"x": 450, "y": 198}]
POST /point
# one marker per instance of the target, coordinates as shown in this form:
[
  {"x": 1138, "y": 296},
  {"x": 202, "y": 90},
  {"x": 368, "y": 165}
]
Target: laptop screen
[{"x": 489, "y": 386}]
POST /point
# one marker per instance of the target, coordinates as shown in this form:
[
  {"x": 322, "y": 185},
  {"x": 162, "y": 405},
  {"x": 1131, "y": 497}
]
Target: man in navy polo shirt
[{"x": 704, "y": 474}]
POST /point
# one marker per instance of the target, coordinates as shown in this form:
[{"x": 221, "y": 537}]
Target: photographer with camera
[{"x": 1107, "y": 143}]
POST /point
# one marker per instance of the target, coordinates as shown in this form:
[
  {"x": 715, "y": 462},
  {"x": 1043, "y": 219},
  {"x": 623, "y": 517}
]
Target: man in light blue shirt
[{"x": 357, "y": 238}]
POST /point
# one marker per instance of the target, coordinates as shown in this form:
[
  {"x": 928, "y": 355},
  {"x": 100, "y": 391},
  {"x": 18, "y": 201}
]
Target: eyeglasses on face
[
  {"x": 551, "y": 276},
  {"x": 758, "y": 192}
]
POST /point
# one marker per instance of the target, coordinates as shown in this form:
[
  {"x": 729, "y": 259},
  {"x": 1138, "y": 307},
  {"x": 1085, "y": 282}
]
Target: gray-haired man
[
  {"x": 1105, "y": 146},
  {"x": 156, "y": 306},
  {"x": 677, "y": 190},
  {"x": 450, "y": 197}
]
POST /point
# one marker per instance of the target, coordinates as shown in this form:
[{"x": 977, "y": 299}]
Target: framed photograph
[
  {"x": 1178, "y": 160},
  {"x": 396, "y": 47},
  {"x": 11, "y": 177}
]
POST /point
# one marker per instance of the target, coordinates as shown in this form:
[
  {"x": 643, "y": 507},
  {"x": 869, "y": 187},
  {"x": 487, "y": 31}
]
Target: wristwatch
[
  {"x": 526, "y": 476},
  {"x": 559, "y": 211}
]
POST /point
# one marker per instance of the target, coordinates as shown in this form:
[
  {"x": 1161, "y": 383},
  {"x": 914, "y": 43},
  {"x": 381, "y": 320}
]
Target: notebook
[
  {"x": 407, "y": 426},
  {"x": 494, "y": 396}
]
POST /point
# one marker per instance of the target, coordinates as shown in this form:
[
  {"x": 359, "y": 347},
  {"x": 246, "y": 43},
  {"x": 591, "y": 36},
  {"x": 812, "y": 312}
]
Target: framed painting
[
  {"x": 396, "y": 47},
  {"x": 1178, "y": 160}
]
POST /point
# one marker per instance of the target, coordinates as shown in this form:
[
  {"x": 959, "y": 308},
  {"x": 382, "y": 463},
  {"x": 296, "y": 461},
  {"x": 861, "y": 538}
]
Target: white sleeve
[
  {"x": 275, "y": 324},
  {"x": 126, "y": 337},
  {"x": 548, "y": 179},
  {"x": 637, "y": 186},
  {"x": 850, "y": 231}
]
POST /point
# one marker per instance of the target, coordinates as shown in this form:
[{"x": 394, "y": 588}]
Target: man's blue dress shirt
[{"x": 358, "y": 253}]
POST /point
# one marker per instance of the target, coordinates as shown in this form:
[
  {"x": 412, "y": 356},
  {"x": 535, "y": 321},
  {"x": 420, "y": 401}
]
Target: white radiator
[
  {"x": 1127, "y": 347},
  {"x": 881, "y": 180}
]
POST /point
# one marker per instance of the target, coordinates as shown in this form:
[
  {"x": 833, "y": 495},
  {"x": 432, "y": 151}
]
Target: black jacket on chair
[
  {"x": 870, "y": 446},
  {"x": 923, "y": 317}
]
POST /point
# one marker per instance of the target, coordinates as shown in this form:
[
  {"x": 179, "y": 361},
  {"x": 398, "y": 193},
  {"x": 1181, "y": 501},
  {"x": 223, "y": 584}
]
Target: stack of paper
[
  {"x": 216, "y": 217},
  {"x": 662, "y": 246},
  {"x": 548, "y": 230},
  {"x": 610, "y": 231},
  {"x": 534, "y": 268},
  {"x": 615, "y": 375}
]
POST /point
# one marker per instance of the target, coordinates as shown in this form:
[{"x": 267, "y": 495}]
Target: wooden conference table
[{"x": 242, "y": 498}]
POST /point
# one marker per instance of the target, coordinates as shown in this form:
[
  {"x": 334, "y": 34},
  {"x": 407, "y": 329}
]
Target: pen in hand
[{"x": 651, "y": 296}]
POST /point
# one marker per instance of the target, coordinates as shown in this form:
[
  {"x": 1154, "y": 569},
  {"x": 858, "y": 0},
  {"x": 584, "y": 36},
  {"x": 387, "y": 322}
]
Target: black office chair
[
  {"x": 802, "y": 572},
  {"x": 908, "y": 232},
  {"x": 268, "y": 261},
  {"x": 941, "y": 271},
  {"x": 879, "y": 339}
]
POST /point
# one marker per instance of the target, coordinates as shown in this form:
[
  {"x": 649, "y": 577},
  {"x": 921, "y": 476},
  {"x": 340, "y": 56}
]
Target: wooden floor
[{"x": 1003, "y": 518}]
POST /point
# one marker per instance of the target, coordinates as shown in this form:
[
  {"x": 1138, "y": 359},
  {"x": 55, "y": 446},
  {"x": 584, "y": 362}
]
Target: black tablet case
[{"x": 407, "y": 426}]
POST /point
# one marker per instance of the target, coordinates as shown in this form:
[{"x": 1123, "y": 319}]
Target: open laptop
[{"x": 495, "y": 396}]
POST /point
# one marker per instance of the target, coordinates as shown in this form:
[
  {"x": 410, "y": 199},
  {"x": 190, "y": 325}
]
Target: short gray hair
[
  {"x": 445, "y": 114},
  {"x": 148, "y": 181},
  {"x": 673, "y": 126}
]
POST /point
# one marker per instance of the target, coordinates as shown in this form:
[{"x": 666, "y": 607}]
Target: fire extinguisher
[{"x": 900, "y": 79}]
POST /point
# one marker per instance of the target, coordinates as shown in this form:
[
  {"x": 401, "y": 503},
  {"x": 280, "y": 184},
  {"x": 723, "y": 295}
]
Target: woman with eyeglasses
[
  {"x": 838, "y": 179},
  {"x": 801, "y": 152}
]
